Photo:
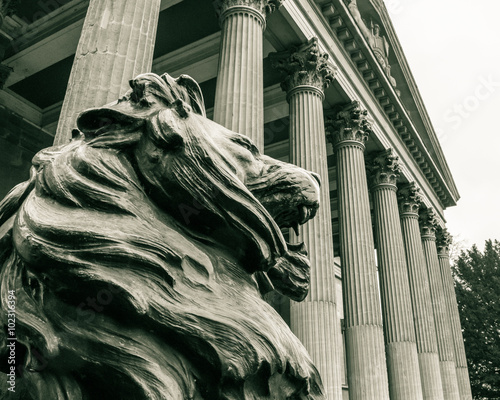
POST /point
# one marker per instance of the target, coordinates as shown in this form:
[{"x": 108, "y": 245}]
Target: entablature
[
  {"x": 308, "y": 20},
  {"x": 385, "y": 89}
]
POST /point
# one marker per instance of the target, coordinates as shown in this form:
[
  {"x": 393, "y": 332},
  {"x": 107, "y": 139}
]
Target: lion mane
[{"x": 139, "y": 253}]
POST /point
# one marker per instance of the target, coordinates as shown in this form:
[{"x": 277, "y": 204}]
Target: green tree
[{"x": 477, "y": 285}]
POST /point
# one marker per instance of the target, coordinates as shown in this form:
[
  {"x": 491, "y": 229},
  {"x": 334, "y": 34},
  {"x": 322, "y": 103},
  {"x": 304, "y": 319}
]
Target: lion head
[{"x": 139, "y": 253}]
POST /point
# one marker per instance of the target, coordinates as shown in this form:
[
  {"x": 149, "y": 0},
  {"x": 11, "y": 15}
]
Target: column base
[
  {"x": 464, "y": 383},
  {"x": 315, "y": 324},
  {"x": 449, "y": 379},
  {"x": 404, "y": 375},
  {"x": 430, "y": 375},
  {"x": 366, "y": 364}
]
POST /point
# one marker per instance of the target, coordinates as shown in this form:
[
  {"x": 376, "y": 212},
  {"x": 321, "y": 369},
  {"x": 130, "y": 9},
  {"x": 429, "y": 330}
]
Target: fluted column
[
  {"x": 430, "y": 374},
  {"x": 443, "y": 241},
  {"x": 428, "y": 224},
  {"x": 366, "y": 364},
  {"x": 239, "y": 94},
  {"x": 399, "y": 328},
  {"x": 315, "y": 320},
  {"x": 116, "y": 44}
]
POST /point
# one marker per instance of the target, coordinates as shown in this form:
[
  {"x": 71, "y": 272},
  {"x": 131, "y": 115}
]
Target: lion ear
[{"x": 194, "y": 94}]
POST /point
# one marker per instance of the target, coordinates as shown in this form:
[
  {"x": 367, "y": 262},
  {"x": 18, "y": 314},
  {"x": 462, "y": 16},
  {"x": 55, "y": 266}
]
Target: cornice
[
  {"x": 413, "y": 88},
  {"x": 344, "y": 27}
]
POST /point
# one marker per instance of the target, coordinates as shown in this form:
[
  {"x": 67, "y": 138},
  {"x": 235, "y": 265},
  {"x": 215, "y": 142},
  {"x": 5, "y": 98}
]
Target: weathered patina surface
[{"x": 139, "y": 253}]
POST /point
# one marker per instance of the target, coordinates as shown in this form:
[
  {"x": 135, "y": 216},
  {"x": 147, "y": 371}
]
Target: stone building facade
[{"x": 320, "y": 83}]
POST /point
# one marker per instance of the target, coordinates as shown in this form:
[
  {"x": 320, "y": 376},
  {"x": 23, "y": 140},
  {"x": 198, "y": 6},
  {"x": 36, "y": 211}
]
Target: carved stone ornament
[
  {"x": 377, "y": 42},
  {"x": 384, "y": 168},
  {"x": 303, "y": 65},
  {"x": 138, "y": 254},
  {"x": 428, "y": 223},
  {"x": 443, "y": 241},
  {"x": 264, "y": 7},
  {"x": 8, "y": 7},
  {"x": 350, "y": 123},
  {"x": 409, "y": 198}
]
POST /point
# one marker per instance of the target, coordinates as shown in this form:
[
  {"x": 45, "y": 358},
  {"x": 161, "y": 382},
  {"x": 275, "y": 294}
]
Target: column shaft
[
  {"x": 456, "y": 328},
  {"x": 430, "y": 372},
  {"x": 239, "y": 96},
  {"x": 441, "y": 320},
  {"x": 315, "y": 320},
  {"x": 366, "y": 363},
  {"x": 116, "y": 44},
  {"x": 399, "y": 329}
]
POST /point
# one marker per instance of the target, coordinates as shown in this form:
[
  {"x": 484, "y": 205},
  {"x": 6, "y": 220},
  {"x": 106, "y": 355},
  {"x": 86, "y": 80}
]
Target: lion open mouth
[
  {"x": 291, "y": 274},
  {"x": 294, "y": 217},
  {"x": 290, "y": 195}
]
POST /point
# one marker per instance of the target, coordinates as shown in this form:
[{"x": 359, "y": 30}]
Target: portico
[{"x": 309, "y": 83}]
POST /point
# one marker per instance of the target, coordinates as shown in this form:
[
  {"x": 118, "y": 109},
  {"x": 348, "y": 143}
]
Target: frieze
[{"x": 377, "y": 42}]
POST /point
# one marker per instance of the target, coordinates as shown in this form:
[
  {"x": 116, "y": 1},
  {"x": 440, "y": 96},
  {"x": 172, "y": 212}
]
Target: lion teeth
[{"x": 295, "y": 228}]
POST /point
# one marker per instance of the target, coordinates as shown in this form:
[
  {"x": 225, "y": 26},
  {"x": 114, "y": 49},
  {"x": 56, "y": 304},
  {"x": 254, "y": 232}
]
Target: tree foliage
[{"x": 477, "y": 285}]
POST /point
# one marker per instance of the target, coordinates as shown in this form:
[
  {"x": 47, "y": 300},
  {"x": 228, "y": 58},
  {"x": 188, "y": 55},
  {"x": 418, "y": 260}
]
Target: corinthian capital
[
  {"x": 443, "y": 241},
  {"x": 303, "y": 65},
  {"x": 409, "y": 199},
  {"x": 384, "y": 168},
  {"x": 264, "y": 7},
  {"x": 428, "y": 223},
  {"x": 349, "y": 124}
]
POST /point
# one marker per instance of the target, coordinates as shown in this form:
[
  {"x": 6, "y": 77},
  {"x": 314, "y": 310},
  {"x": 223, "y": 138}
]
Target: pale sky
[{"x": 453, "y": 49}]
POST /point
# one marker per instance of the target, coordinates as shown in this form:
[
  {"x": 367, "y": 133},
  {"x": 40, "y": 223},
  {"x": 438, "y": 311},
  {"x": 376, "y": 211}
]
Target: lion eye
[
  {"x": 273, "y": 168},
  {"x": 245, "y": 143}
]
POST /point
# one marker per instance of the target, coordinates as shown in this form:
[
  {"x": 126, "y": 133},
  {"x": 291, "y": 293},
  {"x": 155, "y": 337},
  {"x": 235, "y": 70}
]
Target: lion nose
[{"x": 316, "y": 176}]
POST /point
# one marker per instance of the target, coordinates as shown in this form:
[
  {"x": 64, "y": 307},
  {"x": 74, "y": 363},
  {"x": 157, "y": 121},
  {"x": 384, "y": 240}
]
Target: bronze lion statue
[{"x": 136, "y": 257}]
